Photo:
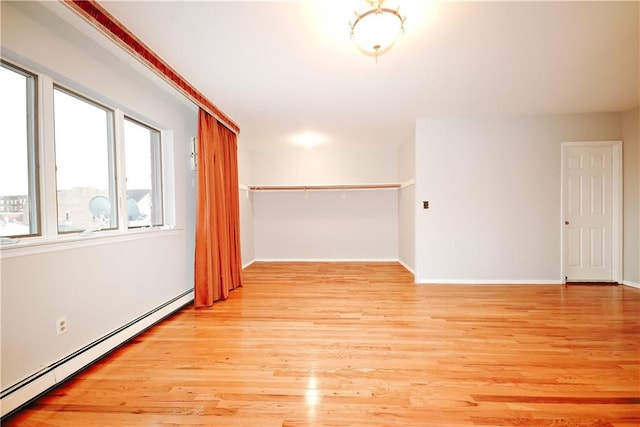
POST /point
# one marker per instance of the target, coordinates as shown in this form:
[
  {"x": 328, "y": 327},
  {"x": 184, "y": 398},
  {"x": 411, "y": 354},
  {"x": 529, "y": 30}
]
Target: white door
[{"x": 588, "y": 212}]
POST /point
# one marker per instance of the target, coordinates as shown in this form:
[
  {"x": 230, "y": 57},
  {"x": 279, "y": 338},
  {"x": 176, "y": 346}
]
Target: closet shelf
[{"x": 322, "y": 187}]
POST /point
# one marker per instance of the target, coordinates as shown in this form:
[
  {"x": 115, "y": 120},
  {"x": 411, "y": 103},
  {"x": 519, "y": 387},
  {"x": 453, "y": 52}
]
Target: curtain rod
[
  {"x": 321, "y": 187},
  {"x": 96, "y": 15}
]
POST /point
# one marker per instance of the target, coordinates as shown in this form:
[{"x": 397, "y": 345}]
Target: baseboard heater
[{"x": 29, "y": 389}]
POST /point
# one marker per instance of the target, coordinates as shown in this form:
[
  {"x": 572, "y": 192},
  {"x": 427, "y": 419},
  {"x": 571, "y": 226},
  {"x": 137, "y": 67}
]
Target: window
[
  {"x": 18, "y": 177},
  {"x": 75, "y": 165},
  {"x": 143, "y": 174},
  {"x": 85, "y": 165}
]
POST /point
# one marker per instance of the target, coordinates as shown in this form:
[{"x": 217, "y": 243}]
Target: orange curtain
[{"x": 218, "y": 265}]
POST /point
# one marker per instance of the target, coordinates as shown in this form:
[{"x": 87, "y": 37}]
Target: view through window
[
  {"x": 144, "y": 178},
  {"x": 90, "y": 192},
  {"x": 18, "y": 183},
  {"x": 85, "y": 177}
]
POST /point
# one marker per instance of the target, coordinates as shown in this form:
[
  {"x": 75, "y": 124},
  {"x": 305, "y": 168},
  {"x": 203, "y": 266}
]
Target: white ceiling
[{"x": 278, "y": 68}]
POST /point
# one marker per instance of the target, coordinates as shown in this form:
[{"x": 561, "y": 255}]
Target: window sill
[{"x": 37, "y": 245}]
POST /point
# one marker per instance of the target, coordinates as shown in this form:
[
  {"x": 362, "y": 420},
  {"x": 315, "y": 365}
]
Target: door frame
[{"x": 616, "y": 205}]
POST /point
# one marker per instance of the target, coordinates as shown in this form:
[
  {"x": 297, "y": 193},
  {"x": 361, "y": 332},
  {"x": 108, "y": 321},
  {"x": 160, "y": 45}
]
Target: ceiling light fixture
[
  {"x": 308, "y": 139},
  {"x": 377, "y": 29}
]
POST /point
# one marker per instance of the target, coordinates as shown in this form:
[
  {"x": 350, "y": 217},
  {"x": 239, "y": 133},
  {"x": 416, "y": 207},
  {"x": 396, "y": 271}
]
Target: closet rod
[{"x": 321, "y": 187}]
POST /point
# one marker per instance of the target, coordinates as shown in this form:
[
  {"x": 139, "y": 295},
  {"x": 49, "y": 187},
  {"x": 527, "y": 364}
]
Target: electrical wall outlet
[{"x": 61, "y": 326}]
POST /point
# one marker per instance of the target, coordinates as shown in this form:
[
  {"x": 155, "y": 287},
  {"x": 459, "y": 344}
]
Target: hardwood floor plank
[{"x": 358, "y": 344}]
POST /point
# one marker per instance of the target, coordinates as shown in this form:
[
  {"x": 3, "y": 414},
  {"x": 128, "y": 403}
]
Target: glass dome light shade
[{"x": 376, "y": 30}]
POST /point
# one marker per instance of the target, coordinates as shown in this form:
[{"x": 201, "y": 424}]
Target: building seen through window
[
  {"x": 143, "y": 174},
  {"x": 101, "y": 182},
  {"x": 18, "y": 182},
  {"x": 85, "y": 163}
]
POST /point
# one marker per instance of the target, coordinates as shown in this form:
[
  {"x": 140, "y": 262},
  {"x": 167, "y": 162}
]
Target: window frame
[
  {"x": 114, "y": 218},
  {"x": 157, "y": 178},
  {"x": 33, "y": 150},
  {"x": 43, "y": 178}
]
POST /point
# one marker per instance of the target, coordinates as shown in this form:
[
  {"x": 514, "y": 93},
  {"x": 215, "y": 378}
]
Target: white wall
[
  {"x": 406, "y": 227},
  {"x": 101, "y": 286},
  {"x": 326, "y": 225},
  {"x": 325, "y": 165},
  {"x": 406, "y": 204},
  {"x": 407, "y": 159},
  {"x": 247, "y": 235},
  {"x": 494, "y": 190},
  {"x": 631, "y": 203}
]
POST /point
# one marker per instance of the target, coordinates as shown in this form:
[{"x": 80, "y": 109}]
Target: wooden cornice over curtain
[
  {"x": 218, "y": 265},
  {"x": 96, "y": 15}
]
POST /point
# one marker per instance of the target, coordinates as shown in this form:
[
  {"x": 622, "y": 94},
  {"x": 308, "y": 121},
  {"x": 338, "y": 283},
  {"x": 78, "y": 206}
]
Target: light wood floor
[{"x": 360, "y": 345}]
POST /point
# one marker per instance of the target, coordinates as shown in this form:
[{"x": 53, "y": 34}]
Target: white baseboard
[
  {"x": 485, "y": 282},
  {"x": 30, "y": 388},
  {"x": 631, "y": 284},
  {"x": 409, "y": 269},
  {"x": 248, "y": 264},
  {"x": 326, "y": 260},
  {"x": 26, "y": 393}
]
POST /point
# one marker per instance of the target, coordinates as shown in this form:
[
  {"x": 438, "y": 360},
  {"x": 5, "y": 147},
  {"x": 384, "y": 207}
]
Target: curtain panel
[{"x": 218, "y": 266}]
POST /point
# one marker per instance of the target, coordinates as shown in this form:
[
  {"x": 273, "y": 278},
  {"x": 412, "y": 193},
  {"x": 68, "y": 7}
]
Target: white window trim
[
  {"x": 38, "y": 245},
  {"x": 50, "y": 240},
  {"x": 121, "y": 186},
  {"x": 159, "y": 156},
  {"x": 112, "y": 153}
]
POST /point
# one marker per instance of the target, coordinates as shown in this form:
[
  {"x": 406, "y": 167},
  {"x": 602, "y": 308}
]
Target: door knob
[{"x": 566, "y": 222}]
